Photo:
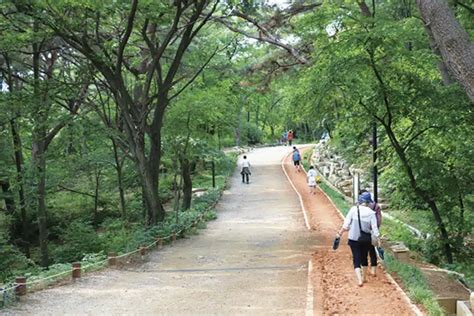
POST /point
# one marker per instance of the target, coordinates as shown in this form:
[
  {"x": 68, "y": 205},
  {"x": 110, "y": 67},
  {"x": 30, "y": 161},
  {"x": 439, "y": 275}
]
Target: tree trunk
[
  {"x": 96, "y": 197},
  {"x": 18, "y": 153},
  {"x": 38, "y": 158},
  {"x": 39, "y": 164},
  {"x": 119, "y": 169},
  {"x": 154, "y": 157},
  {"x": 238, "y": 131},
  {"x": 453, "y": 42},
  {"x": 150, "y": 192},
  {"x": 187, "y": 183},
  {"x": 443, "y": 69},
  {"x": 8, "y": 197},
  {"x": 424, "y": 196}
]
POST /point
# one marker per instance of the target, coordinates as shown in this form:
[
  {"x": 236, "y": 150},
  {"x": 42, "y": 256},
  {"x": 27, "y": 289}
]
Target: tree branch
[
  {"x": 195, "y": 75},
  {"x": 128, "y": 32},
  {"x": 419, "y": 133},
  {"x": 63, "y": 188}
]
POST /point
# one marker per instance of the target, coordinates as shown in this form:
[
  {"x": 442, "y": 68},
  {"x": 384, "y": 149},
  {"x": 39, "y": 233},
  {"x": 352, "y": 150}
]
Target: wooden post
[
  {"x": 173, "y": 238},
  {"x": 20, "y": 289},
  {"x": 159, "y": 242},
  {"x": 142, "y": 251},
  {"x": 112, "y": 258},
  {"x": 213, "y": 166},
  {"x": 76, "y": 270}
]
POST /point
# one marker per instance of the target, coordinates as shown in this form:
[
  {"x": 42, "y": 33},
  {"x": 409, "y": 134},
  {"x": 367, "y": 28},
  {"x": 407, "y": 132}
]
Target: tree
[
  {"x": 452, "y": 41},
  {"x": 141, "y": 75}
]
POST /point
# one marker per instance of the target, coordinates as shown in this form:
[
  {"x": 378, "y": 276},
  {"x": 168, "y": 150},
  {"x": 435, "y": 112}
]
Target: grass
[
  {"x": 415, "y": 284},
  {"x": 336, "y": 197}
]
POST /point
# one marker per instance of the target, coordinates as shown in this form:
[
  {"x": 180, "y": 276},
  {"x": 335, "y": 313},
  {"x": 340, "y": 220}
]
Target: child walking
[
  {"x": 296, "y": 158},
  {"x": 311, "y": 176}
]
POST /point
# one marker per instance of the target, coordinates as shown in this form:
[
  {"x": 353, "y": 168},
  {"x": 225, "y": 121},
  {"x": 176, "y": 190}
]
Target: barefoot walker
[{"x": 361, "y": 223}]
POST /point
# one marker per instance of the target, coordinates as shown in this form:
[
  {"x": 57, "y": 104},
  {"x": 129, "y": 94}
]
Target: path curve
[
  {"x": 252, "y": 260},
  {"x": 336, "y": 291}
]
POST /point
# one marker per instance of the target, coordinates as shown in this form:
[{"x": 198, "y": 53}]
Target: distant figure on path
[
  {"x": 245, "y": 170},
  {"x": 290, "y": 137},
  {"x": 312, "y": 180},
  {"x": 284, "y": 136},
  {"x": 296, "y": 158},
  {"x": 361, "y": 223}
]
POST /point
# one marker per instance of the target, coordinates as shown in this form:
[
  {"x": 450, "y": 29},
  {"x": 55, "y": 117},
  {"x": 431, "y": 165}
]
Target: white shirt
[
  {"x": 245, "y": 163},
  {"x": 368, "y": 222},
  {"x": 311, "y": 173}
]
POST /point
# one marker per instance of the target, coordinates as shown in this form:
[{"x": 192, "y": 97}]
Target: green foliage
[
  {"x": 79, "y": 239},
  {"x": 382, "y": 69},
  {"x": 337, "y": 198},
  {"x": 12, "y": 261}
]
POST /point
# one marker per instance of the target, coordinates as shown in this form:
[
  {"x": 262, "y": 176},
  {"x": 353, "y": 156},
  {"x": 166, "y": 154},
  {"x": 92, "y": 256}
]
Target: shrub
[{"x": 79, "y": 239}]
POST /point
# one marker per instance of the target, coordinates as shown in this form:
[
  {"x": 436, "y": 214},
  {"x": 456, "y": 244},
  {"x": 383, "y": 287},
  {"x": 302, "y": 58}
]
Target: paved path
[{"x": 251, "y": 260}]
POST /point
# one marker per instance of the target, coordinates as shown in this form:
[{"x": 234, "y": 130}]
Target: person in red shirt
[{"x": 290, "y": 137}]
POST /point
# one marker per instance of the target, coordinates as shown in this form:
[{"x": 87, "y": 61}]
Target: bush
[
  {"x": 11, "y": 260},
  {"x": 252, "y": 134},
  {"x": 79, "y": 239}
]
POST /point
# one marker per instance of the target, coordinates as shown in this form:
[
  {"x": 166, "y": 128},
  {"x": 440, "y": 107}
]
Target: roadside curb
[{"x": 294, "y": 188}]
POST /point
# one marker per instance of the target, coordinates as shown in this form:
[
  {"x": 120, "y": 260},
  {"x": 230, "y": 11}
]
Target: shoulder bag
[{"x": 364, "y": 237}]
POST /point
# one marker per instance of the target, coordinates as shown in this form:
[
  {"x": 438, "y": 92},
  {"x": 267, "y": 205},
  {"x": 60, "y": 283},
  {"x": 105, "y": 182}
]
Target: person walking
[
  {"x": 245, "y": 170},
  {"x": 290, "y": 137},
  {"x": 378, "y": 215},
  {"x": 311, "y": 176},
  {"x": 361, "y": 224},
  {"x": 296, "y": 158},
  {"x": 284, "y": 136}
]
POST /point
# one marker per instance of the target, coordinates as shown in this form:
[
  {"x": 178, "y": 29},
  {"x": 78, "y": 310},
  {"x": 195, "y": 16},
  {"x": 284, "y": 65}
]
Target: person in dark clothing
[{"x": 378, "y": 215}]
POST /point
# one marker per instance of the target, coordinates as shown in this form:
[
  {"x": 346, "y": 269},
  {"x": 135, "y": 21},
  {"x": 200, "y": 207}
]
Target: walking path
[
  {"x": 336, "y": 290},
  {"x": 252, "y": 260}
]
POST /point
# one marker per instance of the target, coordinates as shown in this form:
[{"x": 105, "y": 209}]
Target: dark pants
[
  {"x": 290, "y": 142},
  {"x": 245, "y": 174},
  {"x": 373, "y": 256},
  {"x": 360, "y": 251}
]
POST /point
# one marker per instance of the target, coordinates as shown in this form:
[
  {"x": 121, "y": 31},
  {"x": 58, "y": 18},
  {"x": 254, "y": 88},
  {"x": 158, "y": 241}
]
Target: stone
[
  {"x": 345, "y": 183},
  {"x": 448, "y": 304},
  {"x": 462, "y": 308}
]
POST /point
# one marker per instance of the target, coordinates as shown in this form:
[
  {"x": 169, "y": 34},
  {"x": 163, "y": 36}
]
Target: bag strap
[{"x": 358, "y": 216}]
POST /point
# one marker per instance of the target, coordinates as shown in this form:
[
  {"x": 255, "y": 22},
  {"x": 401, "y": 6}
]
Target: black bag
[{"x": 364, "y": 237}]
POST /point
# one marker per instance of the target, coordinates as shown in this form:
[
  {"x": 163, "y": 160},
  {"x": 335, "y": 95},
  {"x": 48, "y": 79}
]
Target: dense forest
[{"x": 112, "y": 111}]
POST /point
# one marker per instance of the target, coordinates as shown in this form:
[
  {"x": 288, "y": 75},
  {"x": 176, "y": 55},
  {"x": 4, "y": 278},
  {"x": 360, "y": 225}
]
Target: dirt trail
[
  {"x": 252, "y": 260},
  {"x": 336, "y": 291}
]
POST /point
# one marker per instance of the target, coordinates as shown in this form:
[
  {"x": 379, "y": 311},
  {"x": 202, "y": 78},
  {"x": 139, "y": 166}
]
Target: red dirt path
[{"x": 335, "y": 288}]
